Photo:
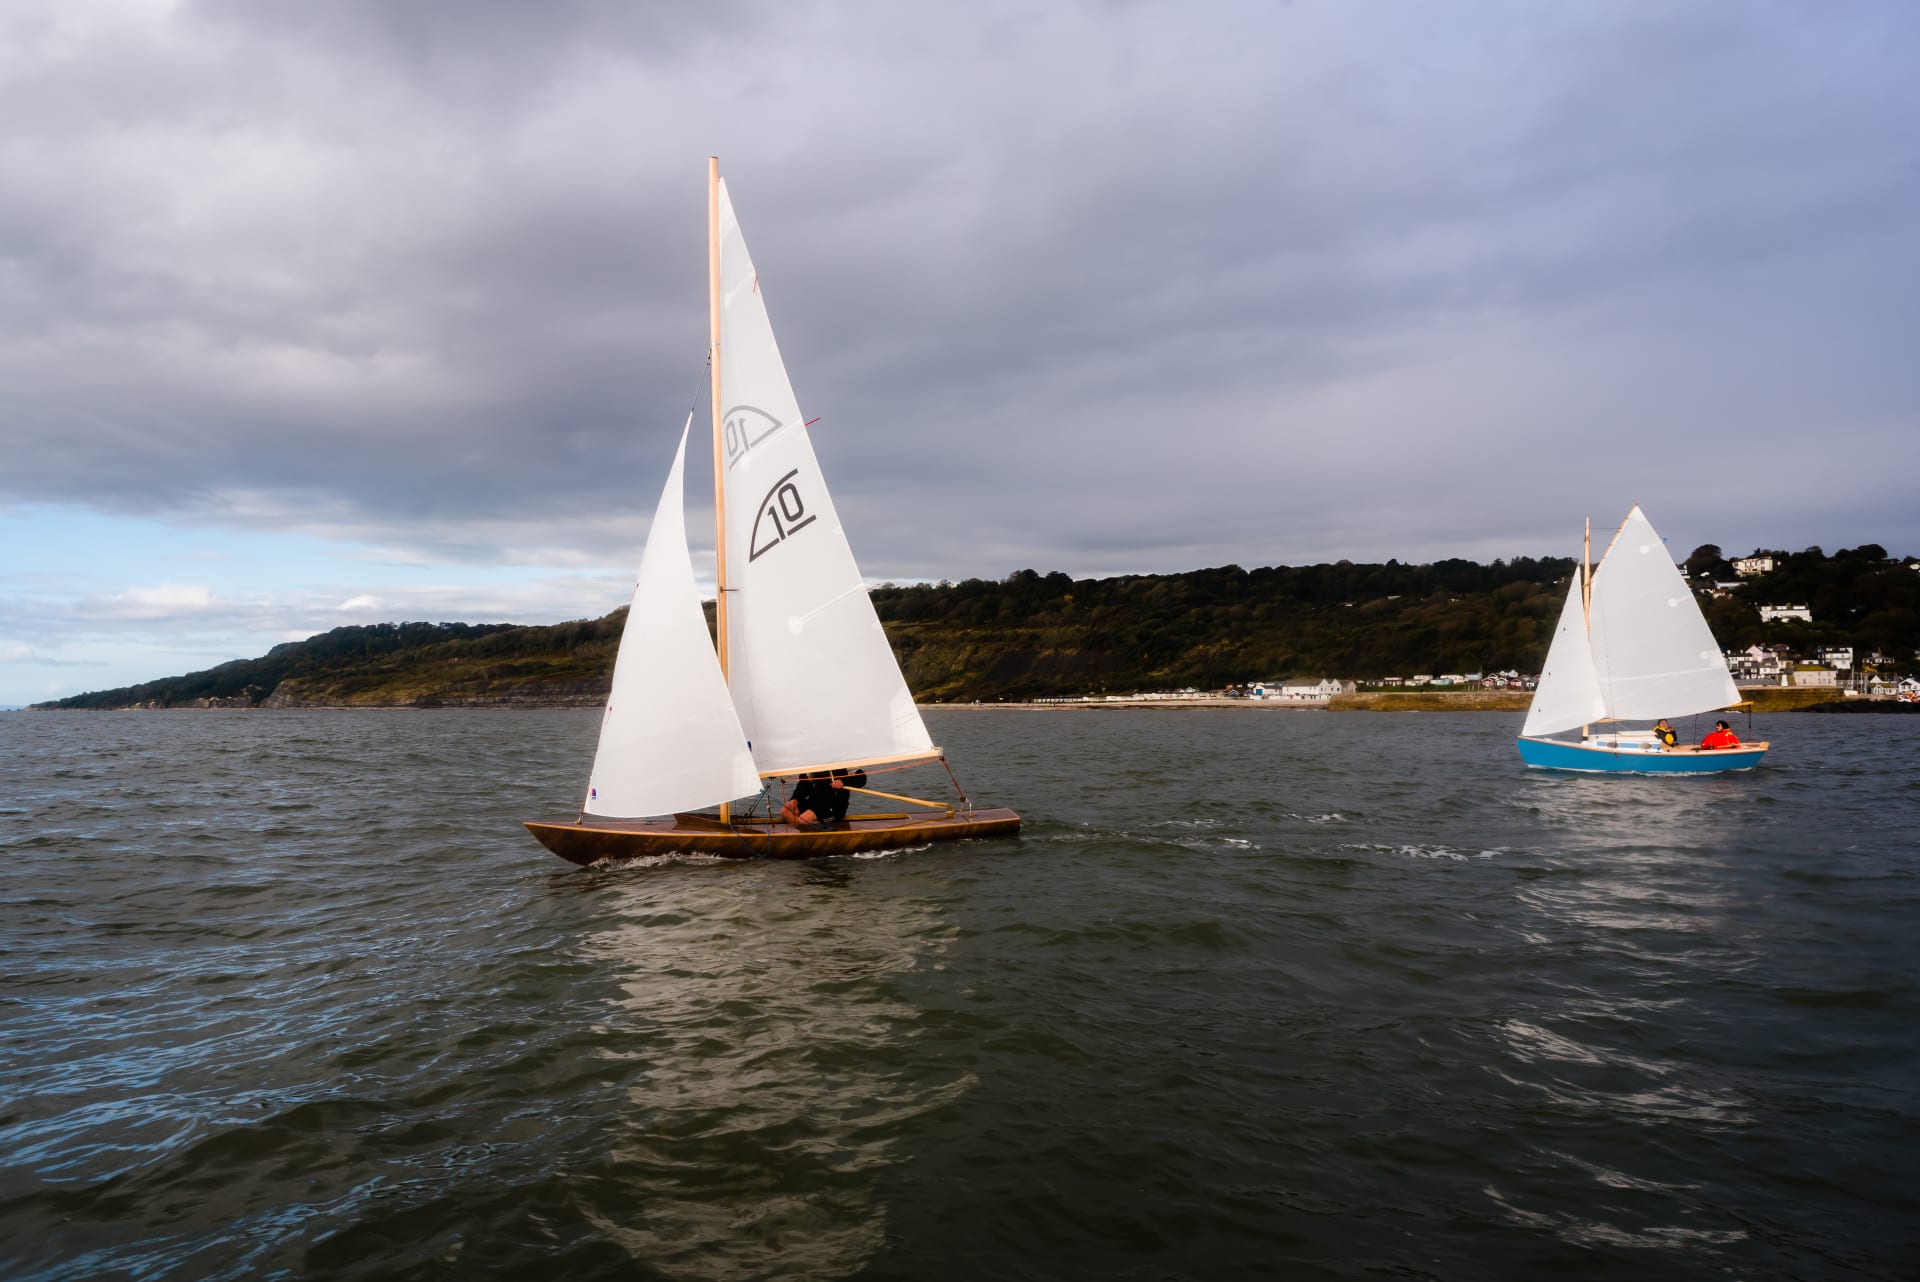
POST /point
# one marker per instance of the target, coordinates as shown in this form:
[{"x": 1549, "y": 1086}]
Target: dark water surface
[{"x": 1255, "y": 994}]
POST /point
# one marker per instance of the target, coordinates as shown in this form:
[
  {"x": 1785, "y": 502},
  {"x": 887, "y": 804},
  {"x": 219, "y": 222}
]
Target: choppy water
[{"x": 1255, "y": 994}]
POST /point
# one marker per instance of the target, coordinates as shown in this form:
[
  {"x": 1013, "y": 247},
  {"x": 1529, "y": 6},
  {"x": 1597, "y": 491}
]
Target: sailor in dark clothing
[{"x": 821, "y": 798}]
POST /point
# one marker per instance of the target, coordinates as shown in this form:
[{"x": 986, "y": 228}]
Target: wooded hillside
[{"x": 1034, "y": 634}]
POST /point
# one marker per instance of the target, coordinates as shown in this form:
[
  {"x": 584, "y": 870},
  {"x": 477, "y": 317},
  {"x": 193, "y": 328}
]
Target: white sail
[
  {"x": 1652, "y": 649},
  {"x": 1569, "y": 690},
  {"x": 812, "y": 674},
  {"x": 670, "y": 740}
]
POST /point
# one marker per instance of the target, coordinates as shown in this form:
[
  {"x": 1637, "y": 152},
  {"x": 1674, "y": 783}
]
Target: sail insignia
[
  {"x": 746, "y": 427},
  {"x": 782, "y": 513}
]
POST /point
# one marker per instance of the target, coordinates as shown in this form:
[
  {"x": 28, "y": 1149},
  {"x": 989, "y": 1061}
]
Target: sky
[{"x": 316, "y": 314}]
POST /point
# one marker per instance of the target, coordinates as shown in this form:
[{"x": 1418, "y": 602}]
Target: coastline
[{"x": 1770, "y": 699}]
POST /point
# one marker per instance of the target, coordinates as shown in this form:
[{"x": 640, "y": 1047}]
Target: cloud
[
  {"x": 167, "y": 601},
  {"x": 1102, "y": 288},
  {"x": 18, "y": 652}
]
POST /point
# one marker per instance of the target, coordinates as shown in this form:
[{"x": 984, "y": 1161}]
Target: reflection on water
[{"x": 778, "y": 1065}]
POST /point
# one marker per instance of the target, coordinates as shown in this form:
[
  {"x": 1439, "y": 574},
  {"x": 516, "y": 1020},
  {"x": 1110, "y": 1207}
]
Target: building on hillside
[
  {"x": 1748, "y": 566},
  {"x": 1317, "y": 688},
  {"x": 1758, "y": 665},
  {"x": 1837, "y": 657},
  {"x": 1768, "y": 613},
  {"x": 1815, "y": 676}
]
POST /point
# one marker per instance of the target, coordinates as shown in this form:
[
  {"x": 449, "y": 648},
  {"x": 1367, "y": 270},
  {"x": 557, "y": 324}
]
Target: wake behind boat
[
  {"x": 1631, "y": 645},
  {"x": 799, "y": 679}
]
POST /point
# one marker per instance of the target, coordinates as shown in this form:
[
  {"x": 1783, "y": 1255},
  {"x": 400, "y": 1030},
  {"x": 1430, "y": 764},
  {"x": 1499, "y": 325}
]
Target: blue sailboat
[{"x": 1631, "y": 646}]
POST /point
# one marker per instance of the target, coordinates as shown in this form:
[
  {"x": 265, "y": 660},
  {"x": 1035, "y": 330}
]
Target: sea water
[{"x": 1255, "y": 993}]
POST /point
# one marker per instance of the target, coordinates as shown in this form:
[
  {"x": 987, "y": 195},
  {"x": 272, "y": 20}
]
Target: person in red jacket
[{"x": 1720, "y": 737}]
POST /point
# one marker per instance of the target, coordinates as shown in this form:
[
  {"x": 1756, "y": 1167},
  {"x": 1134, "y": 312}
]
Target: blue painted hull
[{"x": 1558, "y": 754}]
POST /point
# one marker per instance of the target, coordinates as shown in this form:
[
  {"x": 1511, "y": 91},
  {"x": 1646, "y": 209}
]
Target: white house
[
  {"x": 1837, "y": 657},
  {"x": 1748, "y": 566},
  {"x": 1318, "y": 688},
  {"x": 1815, "y": 677},
  {"x": 1768, "y": 613}
]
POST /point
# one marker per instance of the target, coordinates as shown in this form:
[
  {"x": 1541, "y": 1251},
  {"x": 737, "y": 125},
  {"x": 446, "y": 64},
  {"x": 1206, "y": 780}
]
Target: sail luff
[
  {"x": 713, "y": 375},
  {"x": 720, "y": 620}
]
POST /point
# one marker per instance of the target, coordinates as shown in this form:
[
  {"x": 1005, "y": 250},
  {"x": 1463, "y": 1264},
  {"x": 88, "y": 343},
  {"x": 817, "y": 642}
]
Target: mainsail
[
  {"x": 812, "y": 675},
  {"x": 670, "y": 740},
  {"x": 1652, "y": 650}
]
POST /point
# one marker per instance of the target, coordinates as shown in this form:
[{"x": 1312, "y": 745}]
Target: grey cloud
[{"x": 1102, "y": 288}]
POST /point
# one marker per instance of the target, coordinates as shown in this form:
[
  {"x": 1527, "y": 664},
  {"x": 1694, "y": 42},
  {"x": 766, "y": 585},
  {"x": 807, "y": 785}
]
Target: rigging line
[
  {"x": 701, "y": 387},
  {"x": 964, "y": 799}
]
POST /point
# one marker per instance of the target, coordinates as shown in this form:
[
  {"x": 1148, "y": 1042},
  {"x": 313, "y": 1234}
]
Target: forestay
[
  {"x": 670, "y": 740},
  {"x": 813, "y": 677},
  {"x": 1653, "y": 654}
]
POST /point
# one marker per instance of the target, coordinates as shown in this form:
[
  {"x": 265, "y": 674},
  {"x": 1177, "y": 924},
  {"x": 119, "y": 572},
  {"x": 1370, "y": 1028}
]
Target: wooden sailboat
[
  {"x": 803, "y": 680},
  {"x": 1631, "y": 645}
]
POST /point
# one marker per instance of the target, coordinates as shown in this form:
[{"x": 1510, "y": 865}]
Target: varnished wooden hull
[{"x": 588, "y": 841}]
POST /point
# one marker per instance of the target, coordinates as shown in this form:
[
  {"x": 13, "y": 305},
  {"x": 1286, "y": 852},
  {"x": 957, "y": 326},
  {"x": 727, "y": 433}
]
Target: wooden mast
[
  {"x": 1586, "y": 596},
  {"x": 1586, "y": 576},
  {"x": 719, "y": 490}
]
